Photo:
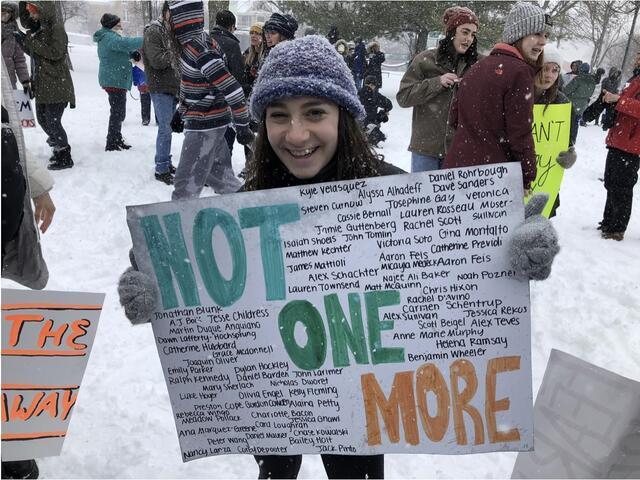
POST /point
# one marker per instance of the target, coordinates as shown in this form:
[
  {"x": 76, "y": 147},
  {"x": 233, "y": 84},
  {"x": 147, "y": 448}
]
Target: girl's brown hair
[{"x": 354, "y": 156}]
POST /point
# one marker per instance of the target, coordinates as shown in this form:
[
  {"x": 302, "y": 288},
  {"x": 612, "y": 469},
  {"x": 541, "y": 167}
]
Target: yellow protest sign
[{"x": 551, "y": 129}]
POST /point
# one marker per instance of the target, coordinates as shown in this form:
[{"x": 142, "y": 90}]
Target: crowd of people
[
  {"x": 306, "y": 110},
  {"x": 470, "y": 109}
]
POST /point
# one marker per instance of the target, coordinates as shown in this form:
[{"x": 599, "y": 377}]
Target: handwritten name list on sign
[{"x": 355, "y": 317}]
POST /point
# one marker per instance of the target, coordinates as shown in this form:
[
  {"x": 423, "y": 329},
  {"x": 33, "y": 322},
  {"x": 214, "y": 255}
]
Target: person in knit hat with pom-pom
[
  {"x": 493, "y": 109},
  {"x": 428, "y": 86}
]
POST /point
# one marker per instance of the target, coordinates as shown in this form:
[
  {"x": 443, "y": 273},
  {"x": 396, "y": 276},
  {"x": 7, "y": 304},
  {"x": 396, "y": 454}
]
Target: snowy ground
[{"x": 123, "y": 427}]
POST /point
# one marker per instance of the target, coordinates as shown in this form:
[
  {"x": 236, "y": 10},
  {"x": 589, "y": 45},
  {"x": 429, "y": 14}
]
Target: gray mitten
[
  {"x": 138, "y": 294},
  {"x": 567, "y": 158},
  {"x": 534, "y": 244}
]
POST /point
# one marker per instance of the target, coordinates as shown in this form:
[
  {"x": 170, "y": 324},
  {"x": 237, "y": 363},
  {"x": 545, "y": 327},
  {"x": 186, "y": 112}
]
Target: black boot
[
  {"x": 20, "y": 469},
  {"x": 62, "y": 159},
  {"x": 123, "y": 146},
  {"x": 165, "y": 177}
]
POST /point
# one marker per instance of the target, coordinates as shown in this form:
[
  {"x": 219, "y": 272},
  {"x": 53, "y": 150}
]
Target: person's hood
[
  {"x": 505, "y": 48},
  {"x": 614, "y": 73},
  {"x": 102, "y": 33},
  {"x": 224, "y": 32},
  {"x": 47, "y": 11},
  {"x": 187, "y": 17}
]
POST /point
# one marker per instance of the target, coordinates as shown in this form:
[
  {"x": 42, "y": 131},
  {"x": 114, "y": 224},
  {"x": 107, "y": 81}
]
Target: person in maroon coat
[{"x": 492, "y": 111}]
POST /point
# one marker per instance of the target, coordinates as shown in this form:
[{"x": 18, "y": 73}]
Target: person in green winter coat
[
  {"x": 580, "y": 89},
  {"x": 46, "y": 43},
  {"x": 114, "y": 74}
]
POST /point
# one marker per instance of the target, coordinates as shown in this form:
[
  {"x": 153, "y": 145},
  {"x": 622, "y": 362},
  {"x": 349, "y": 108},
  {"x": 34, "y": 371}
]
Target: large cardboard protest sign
[
  {"x": 587, "y": 423},
  {"x": 551, "y": 130},
  {"x": 46, "y": 342},
  {"x": 23, "y": 107},
  {"x": 355, "y": 317}
]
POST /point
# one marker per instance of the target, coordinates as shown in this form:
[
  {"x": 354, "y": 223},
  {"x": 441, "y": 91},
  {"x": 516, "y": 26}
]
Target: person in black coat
[
  {"x": 229, "y": 44},
  {"x": 375, "y": 59},
  {"x": 376, "y": 107}
]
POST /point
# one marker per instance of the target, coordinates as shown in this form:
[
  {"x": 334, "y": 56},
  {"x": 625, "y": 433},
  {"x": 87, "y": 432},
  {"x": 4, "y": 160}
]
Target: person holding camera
[{"x": 114, "y": 75}]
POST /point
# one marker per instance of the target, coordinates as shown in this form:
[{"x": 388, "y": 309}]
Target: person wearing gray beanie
[
  {"x": 493, "y": 107},
  {"x": 524, "y": 19},
  {"x": 527, "y": 27}
]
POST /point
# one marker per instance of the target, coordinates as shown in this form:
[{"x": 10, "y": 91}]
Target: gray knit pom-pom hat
[
  {"x": 524, "y": 19},
  {"x": 308, "y": 66}
]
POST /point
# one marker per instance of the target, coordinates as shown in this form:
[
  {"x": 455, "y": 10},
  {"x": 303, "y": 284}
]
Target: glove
[
  {"x": 244, "y": 135},
  {"x": 383, "y": 117},
  {"x": 19, "y": 36},
  {"x": 138, "y": 294},
  {"x": 177, "y": 125},
  {"x": 135, "y": 56},
  {"x": 567, "y": 158},
  {"x": 26, "y": 87},
  {"x": 534, "y": 244}
]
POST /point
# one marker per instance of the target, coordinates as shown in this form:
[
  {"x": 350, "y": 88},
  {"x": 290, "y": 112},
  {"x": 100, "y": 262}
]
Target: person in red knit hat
[{"x": 427, "y": 86}]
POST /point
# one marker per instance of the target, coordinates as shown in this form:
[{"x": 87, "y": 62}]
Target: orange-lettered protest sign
[{"x": 46, "y": 341}]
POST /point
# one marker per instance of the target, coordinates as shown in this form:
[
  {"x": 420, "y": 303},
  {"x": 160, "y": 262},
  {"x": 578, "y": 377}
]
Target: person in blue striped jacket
[{"x": 210, "y": 100}]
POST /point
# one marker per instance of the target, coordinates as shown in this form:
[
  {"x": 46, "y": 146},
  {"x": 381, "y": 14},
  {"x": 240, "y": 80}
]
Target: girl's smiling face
[{"x": 303, "y": 133}]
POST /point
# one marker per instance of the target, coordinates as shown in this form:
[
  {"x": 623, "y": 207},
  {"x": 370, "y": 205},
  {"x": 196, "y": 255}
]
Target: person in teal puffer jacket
[{"x": 114, "y": 74}]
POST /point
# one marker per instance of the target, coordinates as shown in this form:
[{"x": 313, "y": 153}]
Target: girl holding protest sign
[
  {"x": 307, "y": 107},
  {"x": 547, "y": 92}
]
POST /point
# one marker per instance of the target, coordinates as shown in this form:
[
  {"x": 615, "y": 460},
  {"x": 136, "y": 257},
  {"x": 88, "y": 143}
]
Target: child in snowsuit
[
  {"x": 140, "y": 81},
  {"x": 376, "y": 107}
]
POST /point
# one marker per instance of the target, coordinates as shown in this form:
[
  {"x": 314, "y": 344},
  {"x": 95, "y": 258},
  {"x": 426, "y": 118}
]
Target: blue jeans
[
  {"x": 424, "y": 163},
  {"x": 164, "y": 105}
]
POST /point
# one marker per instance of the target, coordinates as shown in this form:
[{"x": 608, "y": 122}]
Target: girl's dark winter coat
[
  {"x": 160, "y": 55},
  {"x": 493, "y": 112},
  {"x": 374, "y": 66},
  {"x": 46, "y": 43}
]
